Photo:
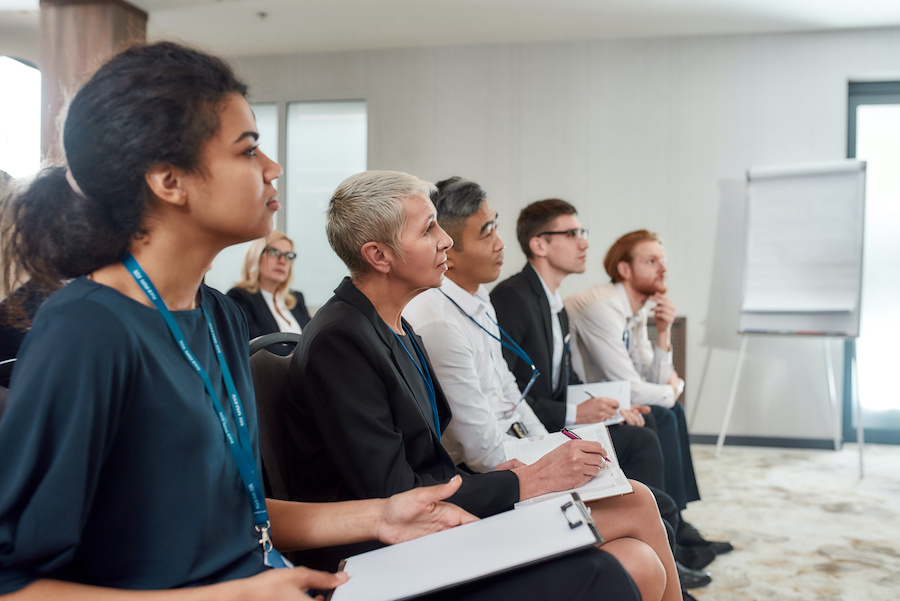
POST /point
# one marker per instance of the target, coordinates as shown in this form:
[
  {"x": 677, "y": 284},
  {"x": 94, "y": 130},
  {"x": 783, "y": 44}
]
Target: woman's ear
[
  {"x": 377, "y": 256},
  {"x": 167, "y": 183}
]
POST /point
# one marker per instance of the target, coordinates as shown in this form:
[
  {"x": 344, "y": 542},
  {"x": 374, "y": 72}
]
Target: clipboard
[{"x": 494, "y": 545}]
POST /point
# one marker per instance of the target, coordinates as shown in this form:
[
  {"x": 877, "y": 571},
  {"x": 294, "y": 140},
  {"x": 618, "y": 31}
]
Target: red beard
[{"x": 655, "y": 286}]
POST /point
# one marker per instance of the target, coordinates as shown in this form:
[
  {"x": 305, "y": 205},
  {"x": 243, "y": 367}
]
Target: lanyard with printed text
[{"x": 241, "y": 448}]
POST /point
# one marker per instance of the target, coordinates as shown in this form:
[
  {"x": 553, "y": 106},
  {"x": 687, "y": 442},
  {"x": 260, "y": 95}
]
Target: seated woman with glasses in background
[{"x": 264, "y": 291}]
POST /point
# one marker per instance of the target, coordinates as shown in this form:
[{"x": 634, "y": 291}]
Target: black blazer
[
  {"x": 356, "y": 427},
  {"x": 523, "y": 311},
  {"x": 259, "y": 317}
]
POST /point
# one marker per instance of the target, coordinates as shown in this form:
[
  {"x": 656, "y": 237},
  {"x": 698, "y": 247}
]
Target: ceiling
[{"x": 240, "y": 27}]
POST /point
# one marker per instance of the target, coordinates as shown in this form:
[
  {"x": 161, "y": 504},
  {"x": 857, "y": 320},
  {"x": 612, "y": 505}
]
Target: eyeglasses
[
  {"x": 277, "y": 254},
  {"x": 575, "y": 234}
]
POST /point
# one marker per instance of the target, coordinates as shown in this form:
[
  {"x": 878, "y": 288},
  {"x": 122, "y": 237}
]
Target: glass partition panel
[{"x": 326, "y": 143}]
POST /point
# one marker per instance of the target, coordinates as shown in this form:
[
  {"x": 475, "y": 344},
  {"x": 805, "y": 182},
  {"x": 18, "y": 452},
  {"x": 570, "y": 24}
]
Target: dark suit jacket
[
  {"x": 357, "y": 429},
  {"x": 259, "y": 317},
  {"x": 523, "y": 311}
]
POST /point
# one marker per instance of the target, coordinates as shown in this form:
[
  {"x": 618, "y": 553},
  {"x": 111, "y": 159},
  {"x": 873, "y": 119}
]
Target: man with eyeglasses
[
  {"x": 610, "y": 341},
  {"x": 531, "y": 313},
  {"x": 529, "y": 308}
]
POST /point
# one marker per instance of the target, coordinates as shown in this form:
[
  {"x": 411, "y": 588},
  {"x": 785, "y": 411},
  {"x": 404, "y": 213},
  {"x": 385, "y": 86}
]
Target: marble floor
[{"x": 803, "y": 523}]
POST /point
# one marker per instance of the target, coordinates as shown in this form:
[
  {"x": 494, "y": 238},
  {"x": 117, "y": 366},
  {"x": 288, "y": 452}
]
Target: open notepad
[
  {"x": 496, "y": 544},
  {"x": 609, "y": 482},
  {"x": 619, "y": 390}
]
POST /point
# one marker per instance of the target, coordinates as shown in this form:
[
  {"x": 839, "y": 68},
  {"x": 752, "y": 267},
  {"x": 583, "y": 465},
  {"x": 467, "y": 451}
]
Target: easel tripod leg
[
  {"x": 854, "y": 386},
  {"x": 731, "y": 396},
  {"x": 832, "y": 392}
]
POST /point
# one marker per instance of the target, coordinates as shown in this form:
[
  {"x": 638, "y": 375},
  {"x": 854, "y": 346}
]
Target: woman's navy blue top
[{"x": 114, "y": 470}]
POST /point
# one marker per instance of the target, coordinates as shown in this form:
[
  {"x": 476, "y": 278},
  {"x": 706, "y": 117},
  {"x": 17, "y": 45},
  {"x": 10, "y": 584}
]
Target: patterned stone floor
[{"x": 804, "y": 525}]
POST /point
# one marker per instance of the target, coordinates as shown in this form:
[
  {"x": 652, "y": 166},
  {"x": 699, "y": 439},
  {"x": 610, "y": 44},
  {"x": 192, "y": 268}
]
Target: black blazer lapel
[
  {"x": 351, "y": 294},
  {"x": 543, "y": 317},
  {"x": 410, "y": 375}
]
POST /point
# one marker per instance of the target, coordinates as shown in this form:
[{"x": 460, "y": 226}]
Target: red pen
[{"x": 574, "y": 436}]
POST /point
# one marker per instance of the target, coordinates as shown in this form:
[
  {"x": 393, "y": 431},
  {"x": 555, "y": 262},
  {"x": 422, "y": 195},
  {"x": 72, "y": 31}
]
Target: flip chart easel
[{"x": 803, "y": 265}]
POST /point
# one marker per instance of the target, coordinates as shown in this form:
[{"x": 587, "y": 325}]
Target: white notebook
[
  {"x": 619, "y": 390},
  {"x": 496, "y": 544},
  {"x": 609, "y": 482}
]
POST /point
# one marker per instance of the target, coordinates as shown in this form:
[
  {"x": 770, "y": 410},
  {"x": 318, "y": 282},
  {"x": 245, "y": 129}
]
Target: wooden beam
[{"x": 77, "y": 36}]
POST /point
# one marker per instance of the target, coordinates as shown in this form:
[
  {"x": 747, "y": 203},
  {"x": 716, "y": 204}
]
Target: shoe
[
  {"x": 686, "y": 596},
  {"x": 695, "y": 558},
  {"x": 692, "y": 578},
  {"x": 688, "y": 536}
]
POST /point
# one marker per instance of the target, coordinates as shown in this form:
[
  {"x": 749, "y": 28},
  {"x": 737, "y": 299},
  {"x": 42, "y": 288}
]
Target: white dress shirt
[
  {"x": 610, "y": 342},
  {"x": 284, "y": 318},
  {"x": 556, "y": 305},
  {"x": 469, "y": 365}
]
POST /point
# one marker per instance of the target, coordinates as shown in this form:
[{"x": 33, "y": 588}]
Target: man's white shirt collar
[
  {"x": 555, "y": 300},
  {"x": 472, "y": 304}
]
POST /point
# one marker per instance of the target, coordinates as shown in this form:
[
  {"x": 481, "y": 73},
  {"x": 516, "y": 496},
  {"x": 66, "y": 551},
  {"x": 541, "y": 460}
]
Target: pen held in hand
[{"x": 574, "y": 436}]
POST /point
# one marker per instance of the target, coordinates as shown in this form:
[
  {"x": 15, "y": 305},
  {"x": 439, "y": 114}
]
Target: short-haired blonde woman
[{"x": 264, "y": 291}]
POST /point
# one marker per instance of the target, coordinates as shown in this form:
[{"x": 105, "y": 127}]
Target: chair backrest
[
  {"x": 279, "y": 343},
  {"x": 270, "y": 384}
]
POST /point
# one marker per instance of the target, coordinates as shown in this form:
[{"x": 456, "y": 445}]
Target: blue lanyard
[
  {"x": 241, "y": 449},
  {"x": 426, "y": 376},
  {"x": 511, "y": 345}
]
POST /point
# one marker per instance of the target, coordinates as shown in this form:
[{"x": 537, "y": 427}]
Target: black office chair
[
  {"x": 277, "y": 343},
  {"x": 269, "y": 372}
]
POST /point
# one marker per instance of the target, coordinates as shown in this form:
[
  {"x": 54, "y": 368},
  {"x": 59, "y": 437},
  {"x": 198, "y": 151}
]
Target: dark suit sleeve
[{"x": 517, "y": 315}]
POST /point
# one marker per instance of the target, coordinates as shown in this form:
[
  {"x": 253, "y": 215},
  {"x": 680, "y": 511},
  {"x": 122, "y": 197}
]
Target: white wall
[{"x": 647, "y": 133}]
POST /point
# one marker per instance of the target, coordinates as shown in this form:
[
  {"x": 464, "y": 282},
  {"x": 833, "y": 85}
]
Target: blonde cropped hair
[
  {"x": 368, "y": 207},
  {"x": 250, "y": 269}
]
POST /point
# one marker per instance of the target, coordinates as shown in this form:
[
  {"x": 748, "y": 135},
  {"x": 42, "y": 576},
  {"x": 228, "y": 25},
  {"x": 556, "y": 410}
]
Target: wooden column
[{"x": 77, "y": 36}]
